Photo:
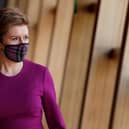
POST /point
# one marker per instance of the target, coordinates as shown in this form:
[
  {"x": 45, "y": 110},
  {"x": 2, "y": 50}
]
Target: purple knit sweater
[{"x": 25, "y": 96}]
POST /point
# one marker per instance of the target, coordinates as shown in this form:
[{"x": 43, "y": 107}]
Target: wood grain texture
[
  {"x": 77, "y": 63},
  {"x": 32, "y": 42},
  {"x": 33, "y": 13},
  {"x": 121, "y": 116},
  {"x": 103, "y": 71},
  {"x": 45, "y": 31},
  {"x": 11, "y": 3},
  {"x": 60, "y": 40},
  {"x": 22, "y": 5}
]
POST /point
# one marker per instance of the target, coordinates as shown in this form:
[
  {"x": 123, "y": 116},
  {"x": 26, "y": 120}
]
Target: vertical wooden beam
[
  {"x": 77, "y": 63},
  {"x": 104, "y": 65},
  {"x": 44, "y": 31},
  {"x": 11, "y": 3},
  {"x": 121, "y": 114},
  {"x": 32, "y": 30},
  {"x": 22, "y": 5},
  {"x": 60, "y": 42},
  {"x": 33, "y": 13}
]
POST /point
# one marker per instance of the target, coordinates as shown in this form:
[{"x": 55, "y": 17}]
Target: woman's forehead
[{"x": 18, "y": 30}]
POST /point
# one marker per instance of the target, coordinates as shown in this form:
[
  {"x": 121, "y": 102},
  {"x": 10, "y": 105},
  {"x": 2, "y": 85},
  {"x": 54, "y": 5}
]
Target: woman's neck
[{"x": 10, "y": 68}]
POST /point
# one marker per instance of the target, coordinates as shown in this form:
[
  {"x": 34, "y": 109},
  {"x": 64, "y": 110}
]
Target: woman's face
[
  {"x": 16, "y": 34},
  {"x": 15, "y": 43}
]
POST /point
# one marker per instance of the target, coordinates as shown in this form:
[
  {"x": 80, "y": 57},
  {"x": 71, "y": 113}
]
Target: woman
[{"x": 26, "y": 88}]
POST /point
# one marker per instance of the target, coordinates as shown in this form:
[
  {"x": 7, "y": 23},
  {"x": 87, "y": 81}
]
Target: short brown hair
[{"x": 10, "y": 17}]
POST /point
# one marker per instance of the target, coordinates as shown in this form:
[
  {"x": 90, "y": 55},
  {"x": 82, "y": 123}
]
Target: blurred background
[{"x": 85, "y": 44}]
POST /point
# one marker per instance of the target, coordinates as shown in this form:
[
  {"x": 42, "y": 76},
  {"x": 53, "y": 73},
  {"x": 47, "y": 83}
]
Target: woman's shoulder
[{"x": 34, "y": 65}]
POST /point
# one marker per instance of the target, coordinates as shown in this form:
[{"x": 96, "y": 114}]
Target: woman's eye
[
  {"x": 14, "y": 38},
  {"x": 26, "y": 37}
]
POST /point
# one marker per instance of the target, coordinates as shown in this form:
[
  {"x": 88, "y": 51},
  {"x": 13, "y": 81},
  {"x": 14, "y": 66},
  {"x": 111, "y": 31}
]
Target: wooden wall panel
[
  {"x": 121, "y": 116},
  {"x": 60, "y": 42},
  {"x": 104, "y": 69},
  {"x": 33, "y": 13},
  {"x": 11, "y": 3},
  {"x": 77, "y": 63},
  {"x": 32, "y": 42},
  {"x": 44, "y": 31},
  {"x": 22, "y": 5}
]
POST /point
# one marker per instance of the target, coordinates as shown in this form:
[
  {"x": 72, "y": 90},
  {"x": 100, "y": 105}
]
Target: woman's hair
[{"x": 10, "y": 17}]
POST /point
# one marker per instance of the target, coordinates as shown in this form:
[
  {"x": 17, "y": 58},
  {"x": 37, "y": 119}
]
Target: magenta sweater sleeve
[{"x": 50, "y": 106}]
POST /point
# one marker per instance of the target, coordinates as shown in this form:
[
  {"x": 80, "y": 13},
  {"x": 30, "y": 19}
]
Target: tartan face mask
[{"x": 16, "y": 52}]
